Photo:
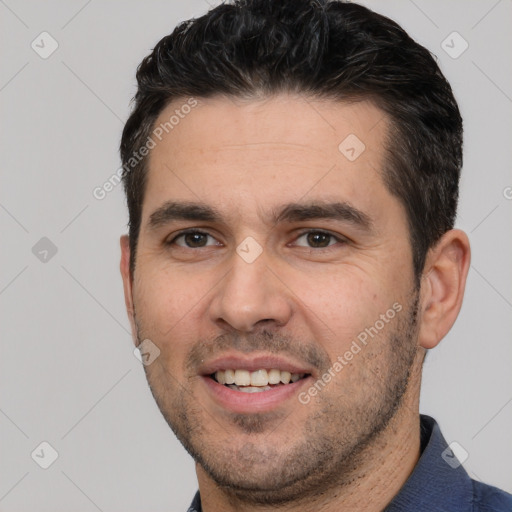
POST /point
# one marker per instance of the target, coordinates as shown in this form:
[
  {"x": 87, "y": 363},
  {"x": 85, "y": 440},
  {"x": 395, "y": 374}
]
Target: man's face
[{"x": 275, "y": 282}]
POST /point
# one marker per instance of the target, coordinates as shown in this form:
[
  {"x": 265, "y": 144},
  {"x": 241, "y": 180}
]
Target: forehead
[{"x": 232, "y": 153}]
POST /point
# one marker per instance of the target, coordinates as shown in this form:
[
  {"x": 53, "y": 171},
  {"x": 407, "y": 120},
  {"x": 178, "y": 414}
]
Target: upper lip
[{"x": 253, "y": 362}]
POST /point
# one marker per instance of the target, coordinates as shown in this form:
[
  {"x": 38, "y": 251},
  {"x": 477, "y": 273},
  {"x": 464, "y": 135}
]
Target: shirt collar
[{"x": 438, "y": 482}]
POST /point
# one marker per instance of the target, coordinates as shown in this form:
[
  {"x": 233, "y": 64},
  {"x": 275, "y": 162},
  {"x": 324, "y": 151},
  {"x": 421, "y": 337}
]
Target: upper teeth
[{"x": 257, "y": 378}]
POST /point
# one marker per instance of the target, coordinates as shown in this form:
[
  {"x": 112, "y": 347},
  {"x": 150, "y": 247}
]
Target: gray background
[{"x": 68, "y": 375}]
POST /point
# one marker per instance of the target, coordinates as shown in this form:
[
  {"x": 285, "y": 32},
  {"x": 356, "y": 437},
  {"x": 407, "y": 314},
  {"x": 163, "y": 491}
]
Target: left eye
[{"x": 318, "y": 239}]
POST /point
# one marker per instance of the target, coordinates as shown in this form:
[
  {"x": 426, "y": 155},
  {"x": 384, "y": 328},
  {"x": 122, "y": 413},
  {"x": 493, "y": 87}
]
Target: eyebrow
[
  {"x": 292, "y": 212},
  {"x": 341, "y": 211},
  {"x": 172, "y": 210}
]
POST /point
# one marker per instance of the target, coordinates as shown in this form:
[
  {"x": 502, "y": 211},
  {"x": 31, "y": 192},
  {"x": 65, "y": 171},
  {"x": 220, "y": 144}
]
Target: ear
[
  {"x": 128, "y": 283},
  {"x": 442, "y": 286}
]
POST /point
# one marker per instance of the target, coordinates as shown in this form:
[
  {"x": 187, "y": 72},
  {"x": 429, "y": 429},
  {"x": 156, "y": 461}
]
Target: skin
[{"x": 357, "y": 440}]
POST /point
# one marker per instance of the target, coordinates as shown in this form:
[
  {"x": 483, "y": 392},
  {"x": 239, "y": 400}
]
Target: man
[{"x": 291, "y": 171}]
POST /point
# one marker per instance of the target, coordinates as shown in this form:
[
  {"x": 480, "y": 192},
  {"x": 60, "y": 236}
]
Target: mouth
[
  {"x": 257, "y": 381},
  {"x": 252, "y": 383}
]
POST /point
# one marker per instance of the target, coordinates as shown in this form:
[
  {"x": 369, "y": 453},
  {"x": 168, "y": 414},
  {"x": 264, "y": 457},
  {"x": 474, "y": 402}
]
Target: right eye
[{"x": 191, "y": 239}]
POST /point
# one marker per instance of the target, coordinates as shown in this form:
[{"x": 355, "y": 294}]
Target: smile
[{"x": 255, "y": 381}]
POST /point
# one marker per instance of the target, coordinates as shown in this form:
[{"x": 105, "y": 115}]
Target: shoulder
[{"x": 487, "y": 498}]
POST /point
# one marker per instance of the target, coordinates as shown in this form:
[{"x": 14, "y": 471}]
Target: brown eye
[
  {"x": 318, "y": 239},
  {"x": 195, "y": 239},
  {"x": 191, "y": 239}
]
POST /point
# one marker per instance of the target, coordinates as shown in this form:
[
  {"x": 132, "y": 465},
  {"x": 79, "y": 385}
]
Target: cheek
[
  {"x": 163, "y": 297},
  {"x": 166, "y": 306},
  {"x": 340, "y": 304}
]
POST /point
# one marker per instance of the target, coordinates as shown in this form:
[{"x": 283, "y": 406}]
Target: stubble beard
[{"x": 329, "y": 449}]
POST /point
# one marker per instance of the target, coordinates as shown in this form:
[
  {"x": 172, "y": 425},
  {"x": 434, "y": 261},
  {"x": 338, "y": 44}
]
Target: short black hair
[{"x": 320, "y": 49}]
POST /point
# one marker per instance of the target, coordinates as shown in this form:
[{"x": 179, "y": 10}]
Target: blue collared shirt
[{"x": 438, "y": 483}]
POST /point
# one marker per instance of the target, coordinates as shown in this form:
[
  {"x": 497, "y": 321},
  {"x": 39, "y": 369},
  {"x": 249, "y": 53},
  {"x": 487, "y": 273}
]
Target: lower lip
[{"x": 260, "y": 401}]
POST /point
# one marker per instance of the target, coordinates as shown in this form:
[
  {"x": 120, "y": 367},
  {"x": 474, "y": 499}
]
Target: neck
[{"x": 384, "y": 467}]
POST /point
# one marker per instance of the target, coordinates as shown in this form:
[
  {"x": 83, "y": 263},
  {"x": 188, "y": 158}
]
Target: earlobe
[{"x": 442, "y": 286}]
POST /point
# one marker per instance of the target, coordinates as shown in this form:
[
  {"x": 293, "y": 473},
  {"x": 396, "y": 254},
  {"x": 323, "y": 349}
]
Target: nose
[{"x": 250, "y": 295}]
